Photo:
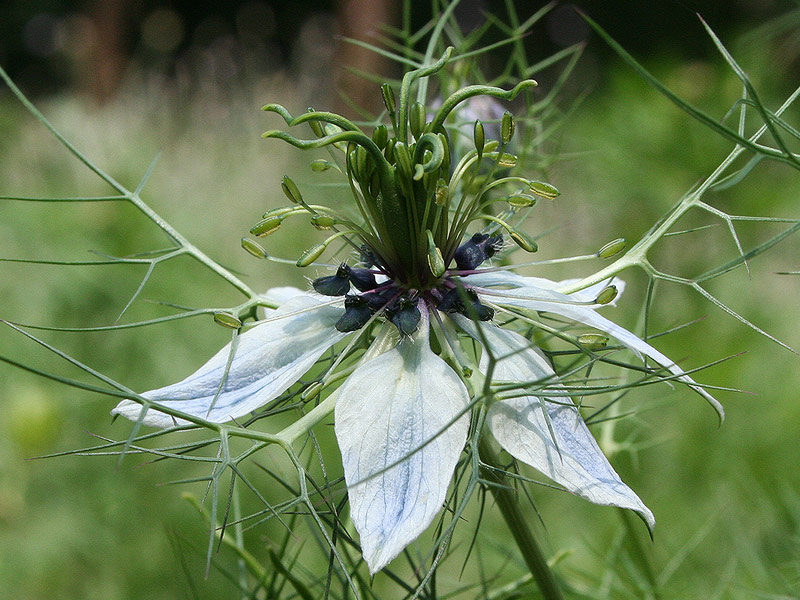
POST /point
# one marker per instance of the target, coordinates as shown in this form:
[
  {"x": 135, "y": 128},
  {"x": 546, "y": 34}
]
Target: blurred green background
[{"x": 187, "y": 81}]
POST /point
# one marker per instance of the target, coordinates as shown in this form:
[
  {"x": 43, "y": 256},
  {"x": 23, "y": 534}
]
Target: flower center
[{"x": 399, "y": 303}]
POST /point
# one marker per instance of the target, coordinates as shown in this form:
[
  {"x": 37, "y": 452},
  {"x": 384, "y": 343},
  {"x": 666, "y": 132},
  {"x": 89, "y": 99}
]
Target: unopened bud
[
  {"x": 523, "y": 240},
  {"x": 310, "y": 255},
  {"x": 253, "y": 248},
  {"x": 435, "y": 260},
  {"x": 507, "y": 127},
  {"x": 226, "y": 319},
  {"x": 545, "y": 190},
  {"x": 479, "y": 137},
  {"x": 607, "y": 295},
  {"x": 612, "y": 248},
  {"x": 593, "y": 341},
  {"x": 320, "y": 165},
  {"x": 290, "y": 189},
  {"x": 267, "y": 226},
  {"x": 323, "y": 222}
]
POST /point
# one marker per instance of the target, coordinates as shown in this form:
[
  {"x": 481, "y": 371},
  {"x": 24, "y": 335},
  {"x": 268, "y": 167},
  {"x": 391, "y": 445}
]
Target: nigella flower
[{"x": 402, "y": 414}]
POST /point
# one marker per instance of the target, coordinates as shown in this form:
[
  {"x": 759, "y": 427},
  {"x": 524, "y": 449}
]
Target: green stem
[{"x": 508, "y": 503}]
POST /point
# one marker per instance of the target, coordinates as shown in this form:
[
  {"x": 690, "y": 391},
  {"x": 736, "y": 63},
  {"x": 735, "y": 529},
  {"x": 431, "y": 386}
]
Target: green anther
[
  {"x": 507, "y": 127},
  {"x": 388, "y": 152},
  {"x": 612, "y": 248},
  {"x": 316, "y": 126},
  {"x": 388, "y": 98},
  {"x": 312, "y": 391},
  {"x": 310, "y": 255},
  {"x": 593, "y": 341},
  {"x": 320, "y": 165},
  {"x": 403, "y": 160},
  {"x": 507, "y": 160},
  {"x": 323, "y": 222},
  {"x": 545, "y": 190},
  {"x": 361, "y": 163},
  {"x": 435, "y": 260},
  {"x": 290, "y": 189},
  {"x": 416, "y": 119},
  {"x": 445, "y": 168},
  {"x": 380, "y": 136},
  {"x": 479, "y": 137},
  {"x": 607, "y": 295},
  {"x": 267, "y": 226},
  {"x": 442, "y": 191},
  {"x": 253, "y": 248},
  {"x": 277, "y": 212},
  {"x": 523, "y": 240},
  {"x": 226, "y": 319},
  {"x": 521, "y": 200}
]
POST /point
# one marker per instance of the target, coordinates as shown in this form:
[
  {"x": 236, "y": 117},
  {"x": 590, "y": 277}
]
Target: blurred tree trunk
[
  {"x": 102, "y": 72},
  {"x": 361, "y": 20}
]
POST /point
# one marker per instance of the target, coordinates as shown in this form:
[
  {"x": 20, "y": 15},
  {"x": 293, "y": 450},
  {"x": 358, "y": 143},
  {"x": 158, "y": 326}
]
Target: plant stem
[{"x": 508, "y": 503}]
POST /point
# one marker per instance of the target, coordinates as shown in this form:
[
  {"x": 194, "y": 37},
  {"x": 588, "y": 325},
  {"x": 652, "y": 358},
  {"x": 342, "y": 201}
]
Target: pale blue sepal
[
  {"x": 267, "y": 359},
  {"x": 557, "y": 444},
  {"x": 508, "y": 279},
  {"x": 539, "y": 299},
  {"x": 400, "y": 434}
]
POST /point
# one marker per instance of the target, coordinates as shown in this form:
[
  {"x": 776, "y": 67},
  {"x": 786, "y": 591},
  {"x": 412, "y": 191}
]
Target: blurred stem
[
  {"x": 239, "y": 539},
  {"x": 508, "y": 503}
]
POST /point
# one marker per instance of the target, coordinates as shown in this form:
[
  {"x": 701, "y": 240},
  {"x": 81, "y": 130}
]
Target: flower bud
[
  {"x": 416, "y": 119},
  {"x": 612, "y": 248},
  {"x": 523, "y": 240},
  {"x": 267, "y": 226},
  {"x": 545, "y": 190},
  {"x": 593, "y": 341},
  {"x": 507, "y": 127},
  {"x": 226, "y": 319},
  {"x": 253, "y": 248},
  {"x": 310, "y": 255},
  {"x": 607, "y": 295},
  {"x": 435, "y": 260},
  {"x": 323, "y": 222},
  {"x": 479, "y": 137},
  {"x": 290, "y": 189}
]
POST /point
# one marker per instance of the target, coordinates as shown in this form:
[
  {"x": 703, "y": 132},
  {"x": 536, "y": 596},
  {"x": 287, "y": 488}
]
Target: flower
[
  {"x": 402, "y": 416},
  {"x": 403, "y": 413}
]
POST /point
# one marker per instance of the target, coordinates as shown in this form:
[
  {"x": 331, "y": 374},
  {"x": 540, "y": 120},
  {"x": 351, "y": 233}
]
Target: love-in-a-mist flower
[{"x": 405, "y": 314}]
